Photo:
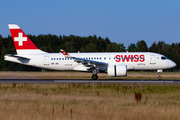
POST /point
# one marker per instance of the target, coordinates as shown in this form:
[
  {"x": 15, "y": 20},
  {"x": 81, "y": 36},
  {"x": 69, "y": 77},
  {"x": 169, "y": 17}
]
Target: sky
[{"x": 122, "y": 21}]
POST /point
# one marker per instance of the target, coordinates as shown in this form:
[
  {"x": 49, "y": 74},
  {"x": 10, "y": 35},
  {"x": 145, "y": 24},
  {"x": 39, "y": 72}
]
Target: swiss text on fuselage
[{"x": 129, "y": 58}]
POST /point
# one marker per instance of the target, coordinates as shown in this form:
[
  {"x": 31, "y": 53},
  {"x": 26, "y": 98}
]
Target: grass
[{"x": 89, "y": 101}]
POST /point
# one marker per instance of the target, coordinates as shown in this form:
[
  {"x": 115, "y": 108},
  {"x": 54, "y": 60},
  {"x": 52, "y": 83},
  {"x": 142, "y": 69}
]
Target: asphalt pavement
[{"x": 43, "y": 81}]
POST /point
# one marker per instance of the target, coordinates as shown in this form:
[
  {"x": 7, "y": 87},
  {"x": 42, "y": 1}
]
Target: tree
[
  {"x": 153, "y": 47},
  {"x": 91, "y": 47},
  {"x": 69, "y": 47},
  {"x": 160, "y": 47},
  {"x": 141, "y": 46},
  {"x": 112, "y": 47},
  {"x": 122, "y": 48},
  {"x": 132, "y": 48}
]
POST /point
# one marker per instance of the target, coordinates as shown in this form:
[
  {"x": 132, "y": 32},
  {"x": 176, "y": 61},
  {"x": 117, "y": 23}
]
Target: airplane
[{"x": 115, "y": 64}]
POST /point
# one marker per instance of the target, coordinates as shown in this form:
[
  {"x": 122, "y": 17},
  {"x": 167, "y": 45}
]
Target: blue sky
[{"x": 122, "y": 21}]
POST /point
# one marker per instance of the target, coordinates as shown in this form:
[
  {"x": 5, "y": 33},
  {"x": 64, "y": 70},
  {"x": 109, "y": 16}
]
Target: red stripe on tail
[{"x": 21, "y": 41}]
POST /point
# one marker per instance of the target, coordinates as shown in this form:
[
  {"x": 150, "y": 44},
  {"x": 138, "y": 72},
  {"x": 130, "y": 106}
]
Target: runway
[{"x": 43, "y": 81}]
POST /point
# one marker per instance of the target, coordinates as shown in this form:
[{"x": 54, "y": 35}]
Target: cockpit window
[{"x": 164, "y": 58}]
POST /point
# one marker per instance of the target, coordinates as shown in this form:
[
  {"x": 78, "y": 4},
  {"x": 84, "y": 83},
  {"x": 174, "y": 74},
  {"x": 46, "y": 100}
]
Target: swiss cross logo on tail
[{"x": 20, "y": 39}]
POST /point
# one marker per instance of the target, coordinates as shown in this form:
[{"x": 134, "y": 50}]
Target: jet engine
[{"x": 117, "y": 70}]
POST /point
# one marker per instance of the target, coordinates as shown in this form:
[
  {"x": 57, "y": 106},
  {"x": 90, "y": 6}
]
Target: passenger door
[
  {"x": 152, "y": 59},
  {"x": 46, "y": 60}
]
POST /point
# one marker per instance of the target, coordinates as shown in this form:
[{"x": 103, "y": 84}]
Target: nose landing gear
[{"x": 159, "y": 77}]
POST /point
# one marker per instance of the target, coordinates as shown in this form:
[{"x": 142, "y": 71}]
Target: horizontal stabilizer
[{"x": 18, "y": 57}]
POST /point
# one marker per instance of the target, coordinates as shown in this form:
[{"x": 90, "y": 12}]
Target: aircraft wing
[
  {"x": 85, "y": 62},
  {"x": 89, "y": 61}
]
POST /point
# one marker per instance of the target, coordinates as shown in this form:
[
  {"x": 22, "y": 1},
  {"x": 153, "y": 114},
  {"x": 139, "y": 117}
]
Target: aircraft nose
[{"x": 172, "y": 64}]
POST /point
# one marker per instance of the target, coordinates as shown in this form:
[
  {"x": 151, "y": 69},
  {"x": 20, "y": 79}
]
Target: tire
[
  {"x": 159, "y": 78},
  {"x": 94, "y": 77}
]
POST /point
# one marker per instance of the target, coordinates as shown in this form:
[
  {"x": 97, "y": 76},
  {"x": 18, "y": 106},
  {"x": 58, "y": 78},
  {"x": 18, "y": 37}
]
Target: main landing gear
[
  {"x": 159, "y": 77},
  {"x": 94, "y": 75}
]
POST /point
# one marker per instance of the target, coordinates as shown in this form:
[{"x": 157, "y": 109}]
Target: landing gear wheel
[
  {"x": 159, "y": 71},
  {"x": 159, "y": 78},
  {"x": 94, "y": 77}
]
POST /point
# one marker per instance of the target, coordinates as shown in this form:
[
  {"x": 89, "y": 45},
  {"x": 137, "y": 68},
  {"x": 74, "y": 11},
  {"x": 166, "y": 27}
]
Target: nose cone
[{"x": 172, "y": 64}]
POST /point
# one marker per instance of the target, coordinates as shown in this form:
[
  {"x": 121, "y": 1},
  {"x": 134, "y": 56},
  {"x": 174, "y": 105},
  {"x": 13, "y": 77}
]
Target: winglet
[{"x": 65, "y": 53}]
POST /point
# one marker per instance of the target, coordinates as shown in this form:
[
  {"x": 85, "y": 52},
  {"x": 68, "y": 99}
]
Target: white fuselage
[
  {"x": 113, "y": 63},
  {"x": 133, "y": 60}
]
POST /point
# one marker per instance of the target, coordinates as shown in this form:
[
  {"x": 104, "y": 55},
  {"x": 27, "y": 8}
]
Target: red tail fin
[{"x": 22, "y": 43}]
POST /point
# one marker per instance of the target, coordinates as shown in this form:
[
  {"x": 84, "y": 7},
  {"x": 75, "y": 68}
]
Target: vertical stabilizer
[{"x": 22, "y": 43}]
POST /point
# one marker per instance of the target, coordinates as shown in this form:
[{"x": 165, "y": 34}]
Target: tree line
[{"x": 53, "y": 44}]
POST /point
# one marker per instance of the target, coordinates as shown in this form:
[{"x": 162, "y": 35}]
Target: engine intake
[{"x": 117, "y": 70}]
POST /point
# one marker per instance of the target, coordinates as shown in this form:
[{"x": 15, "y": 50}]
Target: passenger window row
[
  {"x": 87, "y": 58},
  {"x": 61, "y": 58},
  {"x": 94, "y": 58}
]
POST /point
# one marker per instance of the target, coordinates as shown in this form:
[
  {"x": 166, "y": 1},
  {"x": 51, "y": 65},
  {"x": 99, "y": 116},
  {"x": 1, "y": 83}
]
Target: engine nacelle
[{"x": 117, "y": 70}]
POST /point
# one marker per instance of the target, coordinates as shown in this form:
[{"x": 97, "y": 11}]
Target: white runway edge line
[{"x": 130, "y": 82}]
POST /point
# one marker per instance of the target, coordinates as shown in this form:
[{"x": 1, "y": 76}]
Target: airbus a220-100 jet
[{"x": 115, "y": 64}]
